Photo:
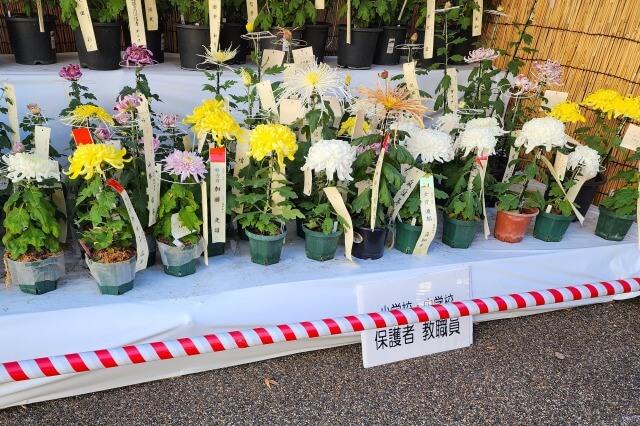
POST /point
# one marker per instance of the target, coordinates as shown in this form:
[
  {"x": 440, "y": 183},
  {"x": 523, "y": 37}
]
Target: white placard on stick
[
  {"x": 271, "y": 58},
  {"x": 12, "y": 112},
  {"x": 153, "y": 179},
  {"x": 214, "y": 23},
  {"x": 86, "y": 27},
  {"x": 397, "y": 343},
  {"x": 429, "y": 30},
  {"x": 452, "y": 91},
  {"x": 136, "y": 22},
  {"x": 410, "y": 77},
  {"x": 218, "y": 191},
  {"x": 304, "y": 55},
  {"x": 631, "y": 139},
  {"x": 476, "y": 25},
  {"x": 267, "y": 99},
  {"x": 252, "y": 11},
  {"x": 554, "y": 98},
  {"x": 151, "y": 12},
  {"x": 41, "y": 138}
]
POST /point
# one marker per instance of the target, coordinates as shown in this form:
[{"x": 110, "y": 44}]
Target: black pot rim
[
  {"x": 395, "y": 27},
  {"x": 318, "y": 25},
  {"x": 178, "y": 25},
  {"x": 27, "y": 19},
  {"x": 360, "y": 30}
]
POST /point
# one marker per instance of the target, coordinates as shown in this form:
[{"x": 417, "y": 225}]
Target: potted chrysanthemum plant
[
  {"x": 33, "y": 257},
  {"x": 179, "y": 226},
  {"x": 103, "y": 224},
  {"x": 34, "y": 117},
  {"x": 465, "y": 207},
  {"x": 215, "y": 127},
  {"x": 552, "y": 223},
  {"x": 619, "y": 210},
  {"x": 380, "y": 159},
  {"x": 30, "y": 43},
  {"x": 517, "y": 206},
  {"x": 331, "y": 162},
  {"x": 429, "y": 147},
  {"x": 265, "y": 193}
]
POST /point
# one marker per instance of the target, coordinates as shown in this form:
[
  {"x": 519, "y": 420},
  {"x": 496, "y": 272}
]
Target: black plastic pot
[
  {"x": 316, "y": 36},
  {"x": 108, "y": 55},
  {"x": 588, "y": 192},
  {"x": 438, "y": 44},
  {"x": 28, "y": 44},
  {"x": 192, "y": 40},
  {"x": 230, "y": 37},
  {"x": 272, "y": 43},
  {"x": 371, "y": 245},
  {"x": 359, "y": 54},
  {"x": 388, "y": 41},
  {"x": 155, "y": 42}
]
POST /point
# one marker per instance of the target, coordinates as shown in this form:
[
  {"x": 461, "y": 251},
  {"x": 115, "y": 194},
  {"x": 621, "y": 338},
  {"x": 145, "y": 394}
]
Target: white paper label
[
  {"x": 252, "y": 10},
  {"x": 631, "y": 139},
  {"x": 205, "y": 220},
  {"x": 476, "y": 26},
  {"x": 308, "y": 179},
  {"x": 218, "y": 191},
  {"x": 338, "y": 205},
  {"x": 336, "y": 107},
  {"x": 86, "y": 27},
  {"x": 429, "y": 30},
  {"x": 349, "y": 21},
  {"x": 303, "y": 55},
  {"x": 271, "y": 58},
  {"x": 411, "y": 79},
  {"x": 391, "y": 44},
  {"x": 429, "y": 216},
  {"x": 136, "y": 22},
  {"x": 214, "y": 23},
  {"x": 319, "y": 4},
  {"x": 554, "y": 98},
  {"x": 396, "y": 343},
  {"x": 153, "y": 180},
  {"x": 267, "y": 99},
  {"x": 559, "y": 182},
  {"x": 358, "y": 125},
  {"x": 40, "y": 15},
  {"x": 151, "y": 12},
  {"x": 412, "y": 178},
  {"x": 452, "y": 92},
  {"x": 514, "y": 153},
  {"x": 560, "y": 164},
  {"x": 242, "y": 161},
  {"x": 42, "y": 136},
  {"x": 178, "y": 230},
  {"x": 290, "y": 111},
  {"x": 375, "y": 186}
]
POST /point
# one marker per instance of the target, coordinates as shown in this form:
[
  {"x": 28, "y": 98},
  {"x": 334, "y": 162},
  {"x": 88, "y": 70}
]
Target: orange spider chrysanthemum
[{"x": 394, "y": 100}]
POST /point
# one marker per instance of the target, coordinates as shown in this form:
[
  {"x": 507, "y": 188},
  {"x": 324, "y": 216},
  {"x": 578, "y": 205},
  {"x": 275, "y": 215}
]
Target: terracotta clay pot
[{"x": 511, "y": 227}]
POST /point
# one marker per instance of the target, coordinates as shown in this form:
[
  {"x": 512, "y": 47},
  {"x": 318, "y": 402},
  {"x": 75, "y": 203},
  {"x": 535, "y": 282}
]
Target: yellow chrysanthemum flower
[
  {"x": 211, "y": 117},
  {"x": 348, "y": 126},
  {"x": 249, "y": 27},
  {"x": 626, "y": 106},
  {"x": 602, "y": 100},
  {"x": 82, "y": 113},
  {"x": 267, "y": 139},
  {"x": 90, "y": 159},
  {"x": 567, "y": 112},
  {"x": 246, "y": 77}
]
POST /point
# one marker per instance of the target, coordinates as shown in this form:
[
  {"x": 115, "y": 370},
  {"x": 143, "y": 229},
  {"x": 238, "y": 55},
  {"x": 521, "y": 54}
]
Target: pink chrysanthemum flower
[
  {"x": 481, "y": 54},
  {"x": 185, "y": 164},
  {"x": 156, "y": 143},
  {"x": 71, "y": 72},
  {"x": 137, "y": 56},
  {"x": 168, "y": 120},
  {"x": 549, "y": 72},
  {"x": 126, "y": 106},
  {"x": 102, "y": 133},
  {"x": 522, "y": 85}
]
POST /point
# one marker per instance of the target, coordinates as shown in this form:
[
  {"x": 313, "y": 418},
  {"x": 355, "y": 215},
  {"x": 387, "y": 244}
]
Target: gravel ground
[{"x": 574, "y": 367}]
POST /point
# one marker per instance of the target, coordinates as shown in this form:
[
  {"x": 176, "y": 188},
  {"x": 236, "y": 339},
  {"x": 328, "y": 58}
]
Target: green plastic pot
[
  {"x": 38, "y": 277},
  {"x": 265, "y": 249},
  {"x": 180, "y": 261},
  {"x": 320, "y": 246},
  {"x": 458, "y": 233},
  {"x": 612, "y": 227},
  {"x": 113, "y": 278},
  {"x": 215, "y": 249},
  {"x": 406, "y": 237},
  {"x": 551, "y": 227}
]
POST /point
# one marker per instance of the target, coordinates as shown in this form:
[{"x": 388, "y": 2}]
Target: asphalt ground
[{"x": 571, "y": 367}]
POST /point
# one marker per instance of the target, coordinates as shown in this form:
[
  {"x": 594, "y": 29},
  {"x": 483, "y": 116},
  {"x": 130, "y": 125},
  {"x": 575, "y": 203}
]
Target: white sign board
[{"x": 408, "y": 341}]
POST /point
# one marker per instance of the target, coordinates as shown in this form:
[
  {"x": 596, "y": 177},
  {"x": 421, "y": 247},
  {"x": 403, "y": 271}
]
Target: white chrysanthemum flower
[
  {"x": 544, "y": 132},
  {"x": 431, "y": 145},
  {"x": 331, "y": 157},
  {"x": 478, "y": 140},
  {"x": 585, "y": 159},
  {"x": 448, "y": 121},
  {"x": 490, "y": 123},
  {"x": 406, "y": 126},
  {"x": 311, "y": 80},
  {"x": 219, "y": 57},
  {"x": 370, "y": 109},
  {"x": 30, "y": 167}
]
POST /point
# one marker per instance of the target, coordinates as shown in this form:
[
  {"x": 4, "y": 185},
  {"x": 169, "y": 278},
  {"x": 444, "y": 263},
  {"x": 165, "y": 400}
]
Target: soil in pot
[
  {"x": 320, "y": 246},
  {"x": 406, "y": 237},
  {"x": 612, "y": 227},
  {"x": 551, "y": 227},
  {"x": 588, "y": 192},
  {"x": 316, "y": 36},
  {"x": 36, "y": 273},
  {"x": 265, "y": 249},
  {"x": 28, "y": 44},
  {"x": 179, "y": 261},
  {"x": 458, "y": 233},
  {"x": 113, "y": 269},
  {"x": 359, "y": 54},
  {"x": 389, "y": 39},
  {"x": 369, "y": 244},
  {"x": 511, "y": 227},
  {"x": 230, "y": 37},
  {"x": 108, "y": 55},
  {"x": 192, "y": 40}
]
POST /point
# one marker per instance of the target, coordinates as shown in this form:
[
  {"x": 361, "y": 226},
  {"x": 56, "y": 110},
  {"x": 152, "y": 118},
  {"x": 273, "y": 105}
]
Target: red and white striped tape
[{"x": 146, "y": 352}]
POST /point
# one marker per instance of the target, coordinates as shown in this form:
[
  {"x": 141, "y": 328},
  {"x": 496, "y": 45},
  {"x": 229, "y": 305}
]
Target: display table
[
  {"x": 180, "y": 90},
  {"x": 232, "y": 293}
]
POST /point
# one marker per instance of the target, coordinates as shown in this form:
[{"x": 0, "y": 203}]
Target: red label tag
[
  {"x": 385, "y": 142},
  {"x": 82, "y": 136},
  {"x": 217, "y": 155},
  {"x": 115, "y": 185}
]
